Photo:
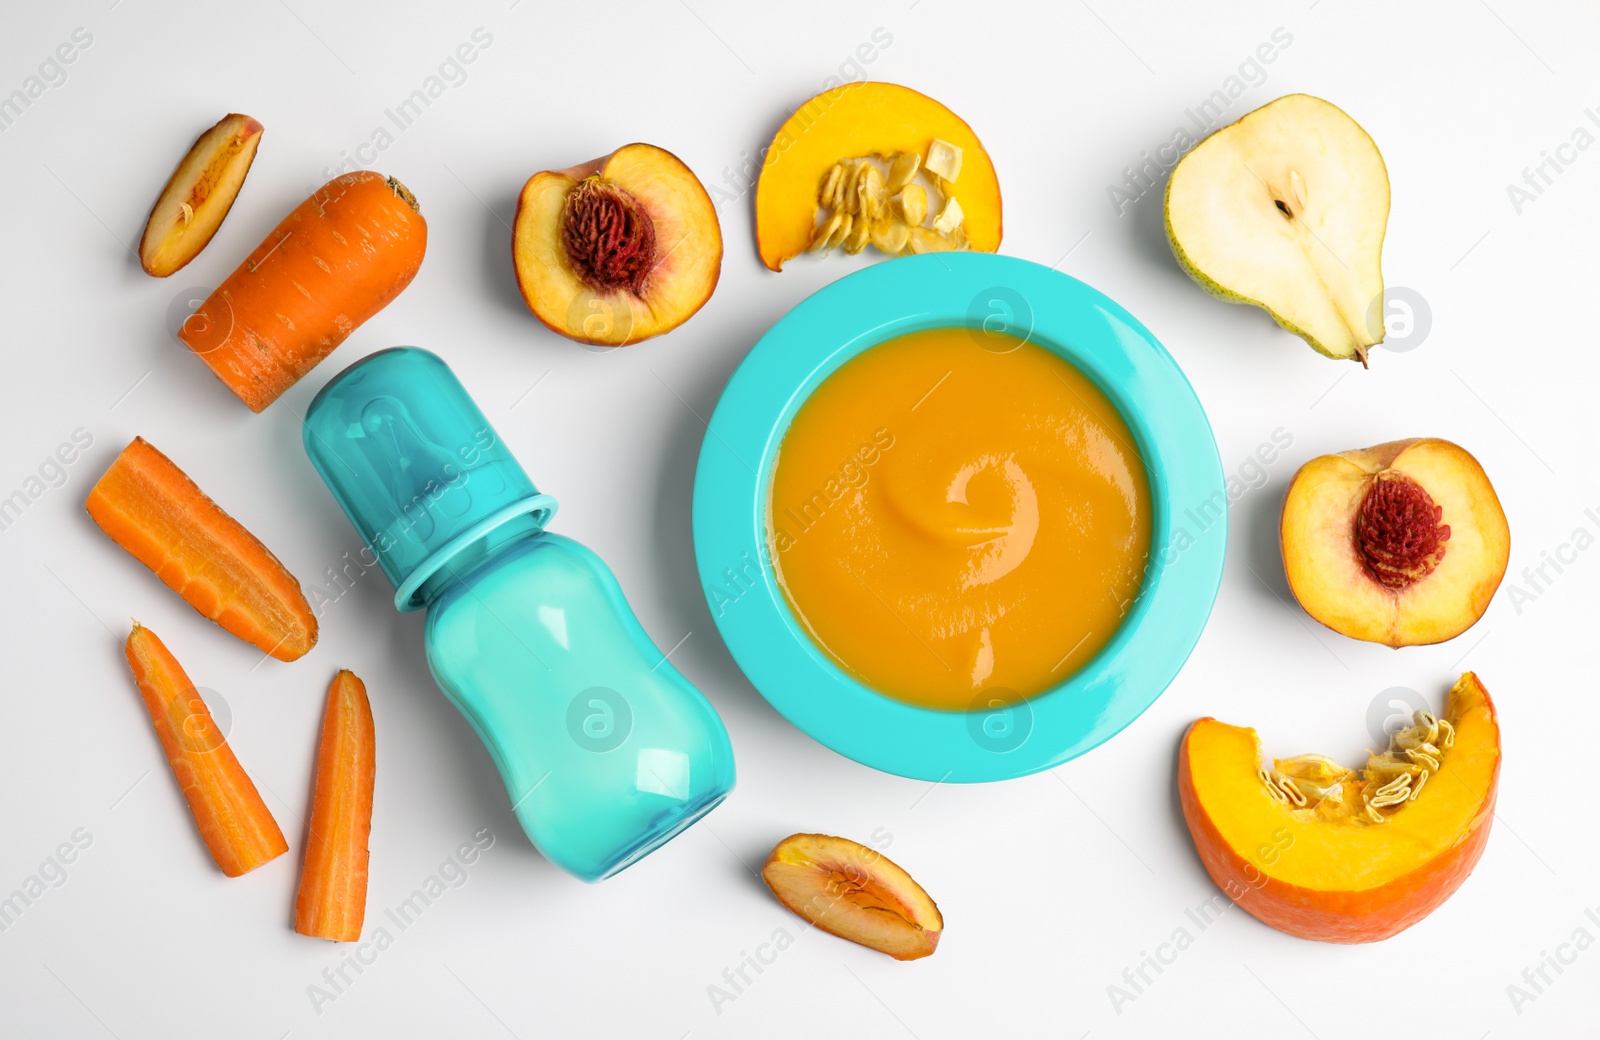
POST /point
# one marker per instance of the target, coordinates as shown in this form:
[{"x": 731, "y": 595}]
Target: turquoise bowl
[{"x": 985, "y": 293}]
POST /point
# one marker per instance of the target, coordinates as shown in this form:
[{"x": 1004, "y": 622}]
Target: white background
[{"x": 1051, "y": 886}]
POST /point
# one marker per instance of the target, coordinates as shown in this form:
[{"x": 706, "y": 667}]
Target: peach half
[
  {"x": 1328, "y": 853},
  {"x": 1401, "y": 544},
  {"x": 854, "y": 892},
  {"x": 199, "y": 195},
  {"x": 619, "y": 249}
]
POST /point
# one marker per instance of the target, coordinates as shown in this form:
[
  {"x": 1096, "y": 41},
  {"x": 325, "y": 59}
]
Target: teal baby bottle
[{"x": 606, "y": 751}]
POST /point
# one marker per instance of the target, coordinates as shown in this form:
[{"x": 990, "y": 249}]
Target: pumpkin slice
[
  {"x": 1338, "y": 855},
  {"x": 866, "y": 154}
]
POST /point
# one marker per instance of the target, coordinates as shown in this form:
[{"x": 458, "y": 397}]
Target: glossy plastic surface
[
  {"x": 978, "y": 291},
  {"x": 415, "y": 465},
  {"x": 606, "y": 750}
]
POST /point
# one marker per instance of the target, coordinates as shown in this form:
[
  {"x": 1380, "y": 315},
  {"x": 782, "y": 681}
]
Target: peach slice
[
  {"x": 1404, "y": 543},
  {"x": 854, "y": 892},
  {"x": 1324, "y": 852},
  {"x": 619, "y": 249},
  {"x": 198, "y": 195},
  {"x": 823, "y": 153}
]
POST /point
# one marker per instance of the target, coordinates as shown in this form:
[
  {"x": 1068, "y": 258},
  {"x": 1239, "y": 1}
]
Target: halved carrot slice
[
  {"x": 151, "y": 508},
  {"x": 233, "y": 820},
  {"x": 333, "y": 887}
]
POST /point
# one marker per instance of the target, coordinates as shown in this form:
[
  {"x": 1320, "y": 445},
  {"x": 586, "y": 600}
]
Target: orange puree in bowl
[{"x": 959, "y": 526}]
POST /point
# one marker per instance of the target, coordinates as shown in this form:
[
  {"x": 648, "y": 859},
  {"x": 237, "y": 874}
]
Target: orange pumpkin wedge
[
  {"x": 867, "y": 120},
  {"x": 1337, "y": 855}
]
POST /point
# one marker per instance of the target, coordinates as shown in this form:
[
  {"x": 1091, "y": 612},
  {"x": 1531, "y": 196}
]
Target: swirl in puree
[{"x": 959, "y": 526}]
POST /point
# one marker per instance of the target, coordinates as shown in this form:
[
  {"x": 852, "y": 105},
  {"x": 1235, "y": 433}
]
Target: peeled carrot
[
  {"x": 334, "y": 262},
  {"x": 151, "y": 508},
  {"x": 233, "y": 820},
  {"x": 333, "y": 887}
]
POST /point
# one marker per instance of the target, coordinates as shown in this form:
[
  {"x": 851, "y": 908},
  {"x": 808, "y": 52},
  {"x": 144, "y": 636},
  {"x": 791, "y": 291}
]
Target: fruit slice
[
  {"x": 1286, "y": 209},
  {"x": 619, "y": 249},
  {"x": 854, "y": 892},
  {"x": 1299, "y": 844},
  {"x": 908, "y": 139},
  {"x": 1403, "y": 543},
  {"x": 199, "y": 194}
]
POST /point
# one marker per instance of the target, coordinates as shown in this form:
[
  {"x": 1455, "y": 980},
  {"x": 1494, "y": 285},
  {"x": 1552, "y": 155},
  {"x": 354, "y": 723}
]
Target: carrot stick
[
  {"x": 151, "y": 508},
  {"x": 233, "y": 820},
  {"x": 333, "y": 887},
  {"x": 334, "y": 262}
]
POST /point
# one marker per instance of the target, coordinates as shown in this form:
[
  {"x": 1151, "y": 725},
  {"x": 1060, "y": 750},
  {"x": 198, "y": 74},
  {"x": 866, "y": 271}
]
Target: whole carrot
[
  {"x": 334, "y": 262},
  {"x": 333, "y": 887},
  {"x": 233, "y": 820},
  {"x": 152, "y": 509}
]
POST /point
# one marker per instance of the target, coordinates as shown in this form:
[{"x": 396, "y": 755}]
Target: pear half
[{"x": 1286, "y": 209}]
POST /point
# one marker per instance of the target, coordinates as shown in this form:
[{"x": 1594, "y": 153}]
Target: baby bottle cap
[{"x": 414, "y": 464}]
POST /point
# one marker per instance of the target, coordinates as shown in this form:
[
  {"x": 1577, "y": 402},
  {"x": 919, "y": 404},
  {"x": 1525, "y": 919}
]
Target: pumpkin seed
[
  {"x": 944, "y": 160},
  {"x": 902, "y": 170},
  {"x": 913, "y": 199}
]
